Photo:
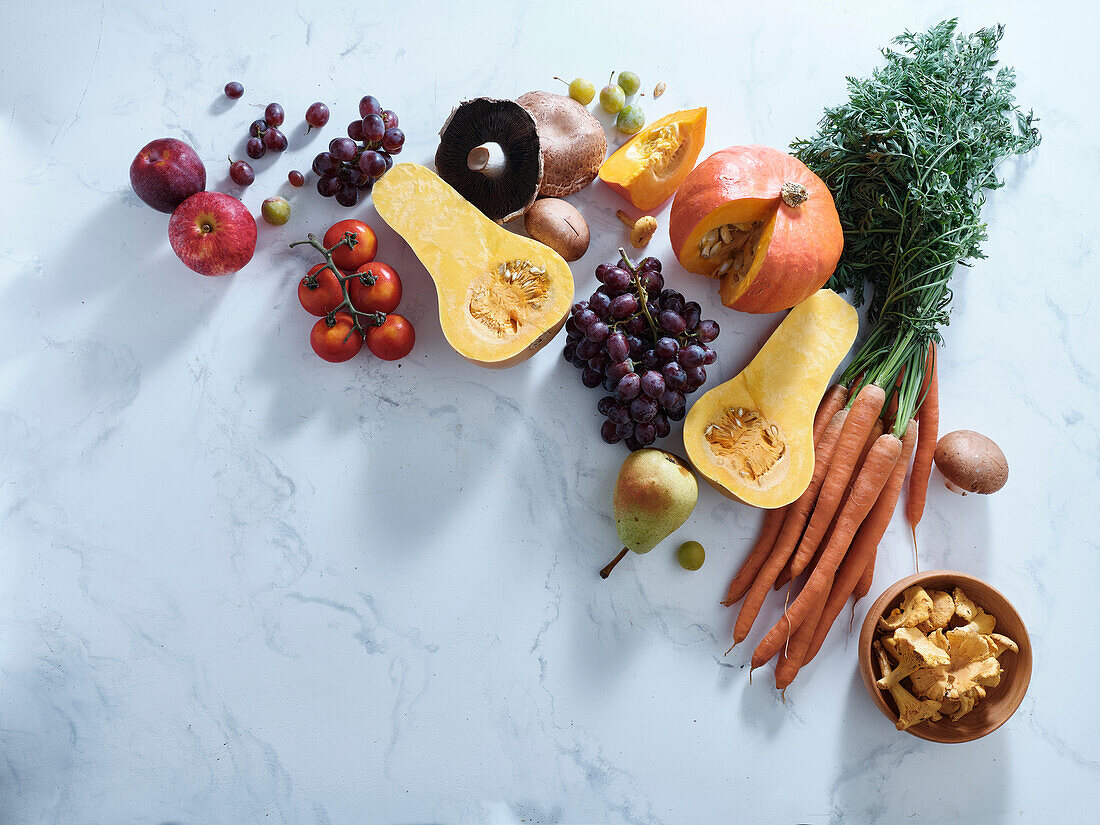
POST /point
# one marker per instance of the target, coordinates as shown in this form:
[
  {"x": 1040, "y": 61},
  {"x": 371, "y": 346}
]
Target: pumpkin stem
[{"x": 793, "y": 193}]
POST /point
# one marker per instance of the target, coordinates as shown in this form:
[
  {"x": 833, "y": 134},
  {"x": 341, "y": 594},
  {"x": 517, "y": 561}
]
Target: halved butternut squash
[
  {"x": 649, "y": 168},
  {"x": 501, "y": 296},
  {"x": 752, "y": 437}
]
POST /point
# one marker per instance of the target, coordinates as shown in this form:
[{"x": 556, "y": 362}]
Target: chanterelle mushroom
[
  {"x": 914, "y": 651},
  {"x": 943, "y": 608},
  {"x": 911, "y": 710},
  {"x": 972, "y": 667},
  {"x": 916, "y": 607},
  {"x": 977, "y": 619}
]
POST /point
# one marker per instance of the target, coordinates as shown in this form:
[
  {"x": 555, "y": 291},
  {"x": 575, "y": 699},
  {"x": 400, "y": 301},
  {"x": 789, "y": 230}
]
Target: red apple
[
  {"x": 166, "y": 172},
  {"x": 212, "y": 233}
]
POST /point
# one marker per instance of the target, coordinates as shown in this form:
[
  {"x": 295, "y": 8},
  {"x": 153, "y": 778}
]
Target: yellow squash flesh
[
  {"x": 752, "y": 437},
  {"x": 501, "y": 296}
]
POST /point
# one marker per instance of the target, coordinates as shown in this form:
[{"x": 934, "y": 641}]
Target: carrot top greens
[{"x": 908, "y": 159}]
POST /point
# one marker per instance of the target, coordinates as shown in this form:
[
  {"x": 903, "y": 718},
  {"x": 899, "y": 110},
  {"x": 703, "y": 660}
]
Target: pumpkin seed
[
  {"x": 724, "y": 268},
  {"x": 727, "y": 233}
]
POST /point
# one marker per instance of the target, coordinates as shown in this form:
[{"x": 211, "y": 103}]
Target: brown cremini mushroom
[
  {"x": 489, "y": 152},
  {"x": 971, "y": 463},
  {"x": 572, "y": 140}
]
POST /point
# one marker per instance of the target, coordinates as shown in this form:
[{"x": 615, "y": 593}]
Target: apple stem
[
  {"x": 611, "y": 565},
  {"x": 371, "y": 319}
]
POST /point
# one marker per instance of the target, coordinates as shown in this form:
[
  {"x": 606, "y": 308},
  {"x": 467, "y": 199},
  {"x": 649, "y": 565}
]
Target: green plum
[
  {"x": 612, "y": 97},
  {"x": 690, "y": 555},
  {"x": 630, "y": 120},
  {"x": 629, "y": 83},
  {"x": 276, "y": 210},
  {"x": 581, "y": 90}
]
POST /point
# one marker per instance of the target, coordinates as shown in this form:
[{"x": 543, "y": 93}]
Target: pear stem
[{"x": 611, "y": 565}]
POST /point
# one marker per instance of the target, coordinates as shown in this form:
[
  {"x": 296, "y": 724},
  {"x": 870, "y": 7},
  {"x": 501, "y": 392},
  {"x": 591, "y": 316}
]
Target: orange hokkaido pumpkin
[
  {"x": 648, "y": 168},
  {"x": 762, "y": 222}
]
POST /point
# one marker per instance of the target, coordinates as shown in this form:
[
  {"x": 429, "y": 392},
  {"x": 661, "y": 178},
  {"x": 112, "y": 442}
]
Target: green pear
[{"x": 654, "y": 494}]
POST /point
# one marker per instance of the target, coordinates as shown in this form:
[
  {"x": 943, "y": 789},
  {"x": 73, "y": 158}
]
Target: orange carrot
[
  {"x": 797, "y": 514},
  {"x": 793, "y": 657},
  {"x": 861, "y": 418},
  {"x": 929, "y": 418},
  {"x": 861, "y": 555},
  {"x": 834, "y": 398},
  {"x": 872, "y": 478},
  {"x": 806, "y": 552}
]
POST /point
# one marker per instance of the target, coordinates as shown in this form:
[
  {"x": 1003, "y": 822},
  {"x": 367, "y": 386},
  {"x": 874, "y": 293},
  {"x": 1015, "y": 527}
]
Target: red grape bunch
[
  {"x": 351, "y": 165},
  {"x": 264, "y": 134},
  {"x": 644, "y": 344}
]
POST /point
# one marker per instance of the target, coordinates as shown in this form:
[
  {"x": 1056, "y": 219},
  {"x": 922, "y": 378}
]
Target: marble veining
[{"x": 242, "y": 585}]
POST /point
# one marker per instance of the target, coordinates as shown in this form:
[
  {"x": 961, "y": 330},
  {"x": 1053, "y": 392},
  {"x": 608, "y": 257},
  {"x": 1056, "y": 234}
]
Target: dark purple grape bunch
[
  {"x": 348, "y": 170},
  {"x": 645, "y": 345},
  {"x": 264, "y": 133}
]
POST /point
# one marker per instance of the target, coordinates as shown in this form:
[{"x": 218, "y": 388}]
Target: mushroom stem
[{"x": 488, "y": 158}]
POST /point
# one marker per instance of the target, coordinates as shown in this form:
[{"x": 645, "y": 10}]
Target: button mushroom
[
  {"x": 489, "y": 152},
  {"x": 971, "y": 463}
]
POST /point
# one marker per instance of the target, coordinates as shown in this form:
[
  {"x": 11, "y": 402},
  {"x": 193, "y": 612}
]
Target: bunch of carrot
[{"x": 827, "y": 540}]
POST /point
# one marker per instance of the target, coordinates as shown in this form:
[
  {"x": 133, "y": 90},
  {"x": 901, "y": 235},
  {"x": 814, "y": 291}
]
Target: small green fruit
[
  {"x": 629, "y": 83},
  {"x": 581, "y": 90},
  {"x": 630, "y": 120},
  {"x": 612, "y": 99},
  {"x": 276, "y": 211},
  {"x": 691, "y": 555}
]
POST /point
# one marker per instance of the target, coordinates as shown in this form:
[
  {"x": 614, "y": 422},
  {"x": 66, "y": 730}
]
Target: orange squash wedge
[{"x": 649, "y": 168}]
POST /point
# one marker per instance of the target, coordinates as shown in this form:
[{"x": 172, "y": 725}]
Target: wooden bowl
[{"x": 1000, "y": 702}]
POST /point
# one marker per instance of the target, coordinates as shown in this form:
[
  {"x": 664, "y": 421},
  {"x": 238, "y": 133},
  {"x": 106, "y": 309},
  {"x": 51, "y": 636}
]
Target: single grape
[
  {"x": 691, "y": 314},
  {"x": 617, "y": 279},
  {"x": 629, "y": 83},
  {"x": 691, "y": 356},
  {"x": 241, "y": 173},
  {"x": 389, "y": 160},
  {"x": 599, "y": 362},
  {"x": 257, "y": 128},
  {"x": 707, "y": 331},
  {"x": 636, "y": 344},
  {"x": 373, "y": 128},
  {"x": 601, "y": 272},
  {"x": 650, "y": 360},
  {"x": 356, "y": 176},
  {"x": 599, "y": 303},
  {"x": 580, "y": 363},
  {"x": 369, "y": 105},
  {"x": 653, "y": 281},
  {"x": 255, "y": 148},
  {"x": 347, "y": 195},
  {"x": 328, "y": 185},
  {"x": 605, "y": 404},
  {"x": 629, "y": 386},
  {"x": 325, "y": 164},
  {"x": 625, "y": 430},
  {"x": 636, "y": 325},
  {"x": 234, "y": 90},
  {"x": 371, "y": 162},
  {"x": 343, "y": 149},
  {"x": 615, "y": 371},
  {"x": 612, "y": 99},
  {"x": 697, "y": 376},
  {"x": 623, "y": 305},
  {"x": 617, "y": 347},
  {"x": 709, "y": 356},
  {"x": 389, "y": 117},
  {"x": 577, "y": 307},
  {"x": 618, "y": 413},
  {"x": 691, "y": 555},
  {"x": 316, "y": 115},
  {"x": 393, "y": 140},
  {"x": 630, "y": 120},
  {"x": 666, "y": 348},
  {"x": 274, "y": 115},
  {"x": 650, "y": 263},
  {"x": 676, "y": 413},
  {"x": 642, "y": 409},
  {"x": 608, "y": 432},
  {"x": 571, "y": 328},
  {"x": 646, "y": 433},
  {"x": 275, "y": 140},
  {"x": 355, "y": 130},
  {"x": 670, "y": 399},
  {"x": 597, "y": 331},
  {"x": 671, "y": 299},
  {"x": 653, "y": 384},
  {"x": 671, "y": 321},
  {"x": 586, "y": 349},
  {"x": 675, "y": 376},
  {"x": 296, "y": 178},
  {"x": 632, "y": 443},
  {"x": 660, "y": 423},
  {"x": 591, "y": 378},
  {"x": 569, "y": 351},
  {"x": 585, "y": 318},
  {"x": 366, "y": 186}
]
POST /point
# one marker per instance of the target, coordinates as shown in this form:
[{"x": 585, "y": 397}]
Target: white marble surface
[{"x": 241, "y": 585}]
